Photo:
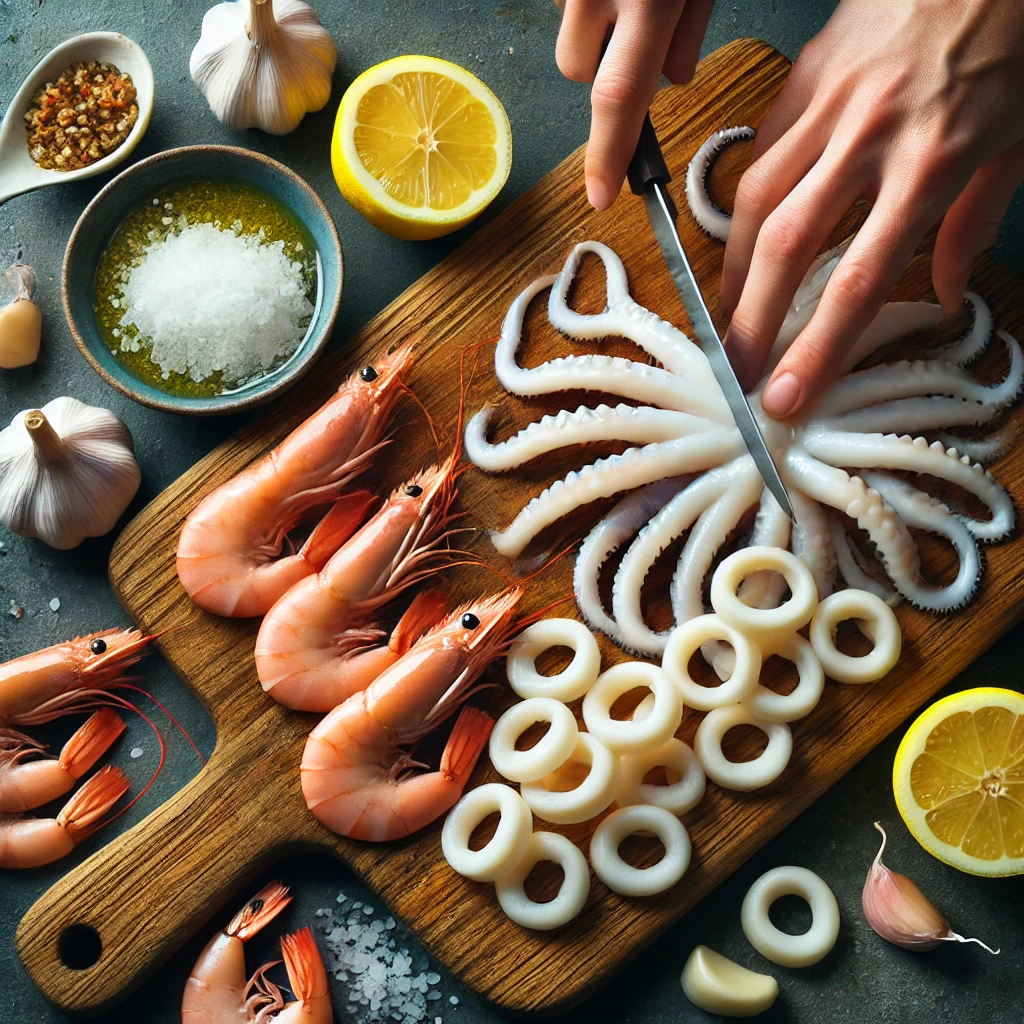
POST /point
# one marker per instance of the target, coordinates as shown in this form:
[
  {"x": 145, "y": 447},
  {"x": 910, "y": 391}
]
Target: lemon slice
[
  {"x": 420, "y": 146},
  {"x": 959, "y": 781}
]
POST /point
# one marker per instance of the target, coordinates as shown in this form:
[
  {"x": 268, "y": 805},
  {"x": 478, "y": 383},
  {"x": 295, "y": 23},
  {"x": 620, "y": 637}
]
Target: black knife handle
[{"x": 648, "y": 163}]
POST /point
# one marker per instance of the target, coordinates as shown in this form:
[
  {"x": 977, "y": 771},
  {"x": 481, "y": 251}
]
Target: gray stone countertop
[{"x": 511, "y": 47}]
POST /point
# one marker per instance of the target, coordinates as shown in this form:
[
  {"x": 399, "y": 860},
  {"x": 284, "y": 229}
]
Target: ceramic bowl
[
  {"x": 146, "y": 179},
  {"x": 18, "y": 171}
]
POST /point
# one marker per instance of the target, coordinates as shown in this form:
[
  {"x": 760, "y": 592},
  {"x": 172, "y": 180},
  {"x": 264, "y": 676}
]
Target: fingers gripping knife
[{"x": 649, "y": 177}]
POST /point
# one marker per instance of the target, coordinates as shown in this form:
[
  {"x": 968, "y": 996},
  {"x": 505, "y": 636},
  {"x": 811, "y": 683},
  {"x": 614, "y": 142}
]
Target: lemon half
[
  {"x": 420, "y": 146},
  {"x": 958, "y": 778}
]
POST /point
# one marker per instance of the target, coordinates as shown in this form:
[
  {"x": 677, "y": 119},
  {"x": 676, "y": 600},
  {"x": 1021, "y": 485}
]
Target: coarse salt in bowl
[{"x": 104, "y": 214}]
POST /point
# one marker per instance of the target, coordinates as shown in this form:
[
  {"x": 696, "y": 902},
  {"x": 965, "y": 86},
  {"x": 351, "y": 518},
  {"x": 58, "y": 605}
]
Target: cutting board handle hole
[{"x": 79, "y": 946}]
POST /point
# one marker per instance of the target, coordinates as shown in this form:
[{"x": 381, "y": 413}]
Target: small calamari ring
[
  {"x": 764, "y": 623},
  {"x": 625, "y": 879},
  {"x": 585, "y": 801},
  {"x": 778, "y": 946},
  {"x": 770, "y": 706},
  {"x": 569, "y": 684},
  {"x": 636, "y": 735},
  {"x": 571, "y": 896},
  {"x": 687, "y": 639},
  {"x": 741, "y": 775},
  {"x": 551, "y": 751},
  {"x": 504, "y": 850},
  {"x": 876, "y": 620},
  {"x": 677, "y": 797}
]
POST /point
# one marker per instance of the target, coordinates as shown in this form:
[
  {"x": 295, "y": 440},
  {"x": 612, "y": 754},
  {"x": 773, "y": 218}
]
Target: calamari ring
[
  {"x": 687, "y": 639},
  {"x": 764, "y": 623},
  {"x": 778, "y": 946},
  {"x": 571, "y": 896},
  {"x": 770, "y": 706},
  {"x": 585, "y": 801},
  {"x": 551, "y": 751},
  {"x": 878, "y": 623},
  {"x": 636, "y": 735},
  {"x": 677, "y": 797},
  {"x": 569, "y": 684},
  {"x": 625, "y": 879},
  {"x": 741, "y": 775},
  {"x": 504, "y": 850}
]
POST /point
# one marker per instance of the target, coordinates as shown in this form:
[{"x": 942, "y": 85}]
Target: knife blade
[{"x": 648, "y": 177}]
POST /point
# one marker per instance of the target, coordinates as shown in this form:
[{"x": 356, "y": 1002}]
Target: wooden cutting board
[{"x": 152, "y": 888}]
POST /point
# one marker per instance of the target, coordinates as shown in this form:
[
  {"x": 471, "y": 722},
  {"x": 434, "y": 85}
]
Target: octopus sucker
[
  {"x": 713, "y": 220},
  {"x": 857, "y": 460}
]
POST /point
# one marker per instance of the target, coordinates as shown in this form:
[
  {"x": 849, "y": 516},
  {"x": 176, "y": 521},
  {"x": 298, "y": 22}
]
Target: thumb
[{"x": 971, "y": 224}]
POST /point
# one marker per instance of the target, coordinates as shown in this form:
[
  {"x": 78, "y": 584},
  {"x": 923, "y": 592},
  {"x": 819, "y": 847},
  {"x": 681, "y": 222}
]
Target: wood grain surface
[{"x": 156, "y": 885}]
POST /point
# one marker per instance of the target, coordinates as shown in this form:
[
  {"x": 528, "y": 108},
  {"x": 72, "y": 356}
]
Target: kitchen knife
[{"x": 649, "y": 177}]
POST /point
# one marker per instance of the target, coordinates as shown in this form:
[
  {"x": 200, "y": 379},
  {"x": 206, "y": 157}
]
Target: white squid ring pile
[
  {"x": 636, "y": 735},
  {"x": 572, "y": 896},
  {"x": 569, "y": 684},
  {"x": 589, "y": 798},
  {"x": 878, "y": 623},
  {"x": 741, "y": 775},
  {"x": 677, "y": 797},
  {"x": 685, "y": 642},
  {"x": 778, "y": 946},
  {"x": 625, "y": 879},
  {"x": 766, "y": 624},
  {"x": 770, "y": 706},
  {"x": 505, "y": 849},
  {"x": 551, "y": 751}
]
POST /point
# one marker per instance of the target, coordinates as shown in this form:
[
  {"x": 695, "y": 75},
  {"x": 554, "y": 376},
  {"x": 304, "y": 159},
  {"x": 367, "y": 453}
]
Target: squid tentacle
[
  {"x": 975, "y": 341},
  {"x": 812, "y": 542},
  {"x": 852, "y": 563},
  {"x": 633, "y": 424},
  {"x": 713, "y": 220}
]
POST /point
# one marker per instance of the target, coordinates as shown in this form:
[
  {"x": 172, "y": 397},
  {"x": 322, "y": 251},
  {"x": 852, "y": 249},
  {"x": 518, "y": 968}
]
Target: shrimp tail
[
  {"x": 259, "y": 911},
  {"x": 81, "y": 815},
  {"x": 91, "y": 741},
  {"x": 307, "y": 977},
  {"x": 427, "y": 609},
  {"x": 469, "y": 736},
  {"x": 346, "y": 515}
]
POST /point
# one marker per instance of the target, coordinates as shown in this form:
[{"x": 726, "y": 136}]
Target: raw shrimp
[
  {"x": 355, "y": 774},
  {"x": 28, "y": 784},
  {"x": 29, "y": 842},
  {"x": 310, "y": 633},
  {"x": 217, "y": 989},
  {"x": 66, "y": 677},
  {"x": 306, "y": 978},
  {"x": 229, "y": 546}
]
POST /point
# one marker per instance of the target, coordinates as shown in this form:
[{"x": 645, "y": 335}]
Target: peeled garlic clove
[
  {"x": 717, "y": 984},
  {"x": 21, "y": 323},
  {"x": 898, "y": 911}
]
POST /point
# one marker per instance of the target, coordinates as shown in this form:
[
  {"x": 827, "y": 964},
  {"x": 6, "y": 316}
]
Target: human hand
[
  {"x": 914, "y": 105},
  {"x": 645, "y": 39}
]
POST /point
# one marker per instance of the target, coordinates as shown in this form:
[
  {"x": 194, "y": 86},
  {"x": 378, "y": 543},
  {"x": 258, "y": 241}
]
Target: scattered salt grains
[
  {"x": 55, "y": 604},
  {"x": 136, "y": 752},
  {"x": 381, "y": 980},
  {"x": 15, "y": 610},
  {"x": 209, "y": 300}
]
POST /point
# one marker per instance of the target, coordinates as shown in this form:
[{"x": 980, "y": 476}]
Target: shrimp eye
[
  {"x": 256, "y": 906},
  {"x": 368, "y": 374},
  {"x": 470, "y": 621},
  {"x": 414, "y": 490},
  {"x": 98, "y": 646}
]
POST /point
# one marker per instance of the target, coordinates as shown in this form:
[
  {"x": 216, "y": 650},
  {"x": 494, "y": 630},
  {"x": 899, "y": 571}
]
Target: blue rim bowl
[{"x": 101, "y": 218}]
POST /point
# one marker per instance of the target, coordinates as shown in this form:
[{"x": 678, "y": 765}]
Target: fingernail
[
  {"x": 781, "y": 395},
  {"x": 600, "y": 194}
]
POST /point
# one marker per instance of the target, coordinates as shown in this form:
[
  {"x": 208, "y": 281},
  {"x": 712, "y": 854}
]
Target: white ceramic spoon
[{"x": 18, "y": 171}]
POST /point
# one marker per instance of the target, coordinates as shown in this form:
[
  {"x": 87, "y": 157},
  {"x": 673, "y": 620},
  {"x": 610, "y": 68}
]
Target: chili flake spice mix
[{"x": 83, "y": 116}]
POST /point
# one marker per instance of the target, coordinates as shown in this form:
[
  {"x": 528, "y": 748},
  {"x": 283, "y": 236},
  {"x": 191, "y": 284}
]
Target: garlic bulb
[
  {"x": 263, "y": 63},
  {"x": 67, "y": 472},
  {"x": 898, "y": 911},
  {"x": 21, "y": 323}
]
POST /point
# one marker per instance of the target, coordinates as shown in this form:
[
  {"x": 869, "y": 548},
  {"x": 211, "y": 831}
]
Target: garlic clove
[
  {"x": 21, "y": 323},
  {"x": 718, "y": 985},
  {"x": 898, "y": 911}
]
